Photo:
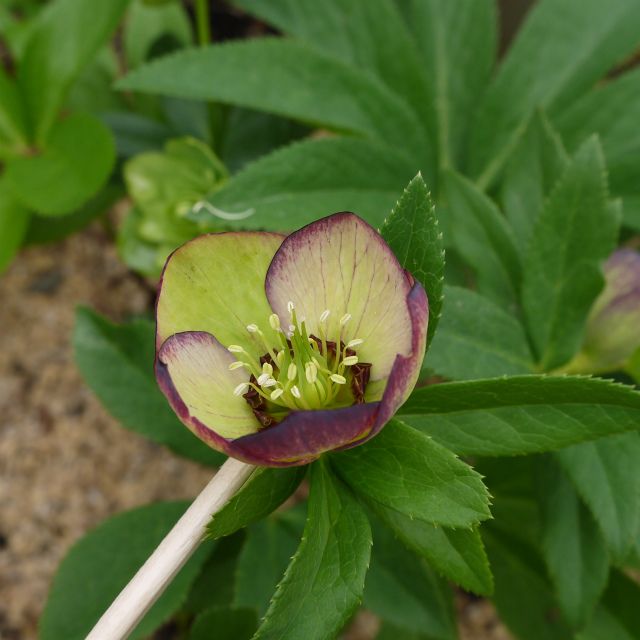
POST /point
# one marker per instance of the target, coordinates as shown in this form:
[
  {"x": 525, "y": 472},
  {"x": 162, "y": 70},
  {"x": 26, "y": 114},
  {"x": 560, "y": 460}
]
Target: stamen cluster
[{"x": 299, "y": 371}]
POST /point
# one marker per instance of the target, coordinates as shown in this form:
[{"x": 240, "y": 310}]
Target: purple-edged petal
[
  {"x": 193, "y": 372},
  {"x": 304, "y": 435},
  {"x": 342, "y": 264},
  {"x": 214, "y": 283}
]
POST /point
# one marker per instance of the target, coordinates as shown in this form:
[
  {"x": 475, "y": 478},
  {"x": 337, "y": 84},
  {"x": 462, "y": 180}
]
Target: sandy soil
[{"x": 65, "y": 465}]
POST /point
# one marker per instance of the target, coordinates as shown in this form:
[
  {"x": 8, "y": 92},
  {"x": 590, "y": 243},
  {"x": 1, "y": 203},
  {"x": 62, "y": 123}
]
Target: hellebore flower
[
  {"x": 276, "y": 349},
  {"x": 613, "y": 326}
]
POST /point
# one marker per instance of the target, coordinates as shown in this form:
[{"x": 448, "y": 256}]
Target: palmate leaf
[
  {"x": 413, "y": 235},
  {"x": 331, "y": 174},
  {"x": 406, "y": 471},
  {"x": 521, "y": 414},
  {"x": 564, "y": 47},
  {"x": 351, "y": 31},
  {"x": 325, "y": 580},
  {"x": 320, "y": 90},
  {"x": 572, "y": 545},
  {"x": 574, "y": 233},
  {"x": 458, "y": 41},
  {"x": 477, "y": 339}
]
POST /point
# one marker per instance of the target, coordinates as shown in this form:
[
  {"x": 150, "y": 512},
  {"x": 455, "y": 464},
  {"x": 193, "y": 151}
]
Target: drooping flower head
[{"x": 276, "y": 349}]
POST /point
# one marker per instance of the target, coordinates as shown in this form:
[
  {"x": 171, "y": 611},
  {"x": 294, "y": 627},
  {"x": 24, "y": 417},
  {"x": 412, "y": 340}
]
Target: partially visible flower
[
  {"x": 613, "y": 327},
  {"x": 275, "y": 350}
]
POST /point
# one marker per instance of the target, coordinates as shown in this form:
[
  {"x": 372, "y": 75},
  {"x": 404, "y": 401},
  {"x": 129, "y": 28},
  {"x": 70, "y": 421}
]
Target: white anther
[
  {"x": 295, "y": 392},
  {"x": 274, "y": 321},
  {"x": 292, "y": 371},
  {"x": 354, "y": 343},
  {"x": 292, "y": 328},
  {"x": 236, "y": 365},
  {"x": 290, "y": 306},
  {"x": 337, "y": 378},
  {"x": 271, "y": 382},
  {"x": 263, "y": 378},
  {"x": 311, "y": 372},
  {"x": 241, "y": 388},
  {"x": 324, "y": 315},
  {"x": 349, "y": 361},
  {"x": 234, "y": 348},
  {"x": 267, "y": 368},
  {"x": 345, "y": 318},
  {"x": 253, "y": 328},
  {"x": 276, "y": 394}
]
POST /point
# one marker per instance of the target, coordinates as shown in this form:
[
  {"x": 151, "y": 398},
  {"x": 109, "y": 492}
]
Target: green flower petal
[
  {"x": 193, "y": 372},
  {"x": 215, "y": 283},
  {"x": 342, "y": 264}
]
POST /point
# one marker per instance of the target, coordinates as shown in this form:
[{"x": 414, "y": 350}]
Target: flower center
[{"x": 299, "y": 371}]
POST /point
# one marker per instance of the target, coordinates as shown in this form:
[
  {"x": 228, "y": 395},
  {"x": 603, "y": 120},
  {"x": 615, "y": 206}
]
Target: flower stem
[
  {"x": 202, "y": 22},
  {"x": 147, "y": 585}
]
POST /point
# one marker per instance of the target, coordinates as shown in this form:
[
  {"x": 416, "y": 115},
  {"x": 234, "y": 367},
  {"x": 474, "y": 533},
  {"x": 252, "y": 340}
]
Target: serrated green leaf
[
  {"x": 521, "y": 414},
  {"x": 612, "y": 111},
  {"x": 563, "y": 48},
  {"x": 537, "y": 162},
  {"x": 228, "y": 624},
  {"x": 607, "y": 477},
  {"x": 573, "y": 548},
  {"x": 351, "y": 31},
  {"x": 477, "y": 339},
  {"x": 413, "y": 235},
  {"x": 481, "y": 235},
  {"x": 457, "y": 554},
  {"x": 14, "y": 221},
  {"x": 256, "y": 74},
  {"x": 401, "y": 589},
  {"x": 264, "y": 558},
  {"x": 403, "y": 469},
  {"x": 265, "y": 491},
  {"x": 523, "y": 596},
  {"x": 146, "y": 25},
  {"x": 65, "y": 37},
  {"x": 575, "y": 231},
  {"x": 458, "y": 42},
  {"x": 331, "y": 175},
  {"x": 75, "y": 163},
  {"x": 117, "y": 363},
  {"x": 103, "y": 562},
  {"x": 325, "y": 580}
]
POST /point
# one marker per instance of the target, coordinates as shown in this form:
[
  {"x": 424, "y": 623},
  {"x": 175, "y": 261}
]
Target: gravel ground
[{"x": 65, "y": 465}]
